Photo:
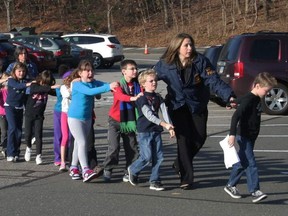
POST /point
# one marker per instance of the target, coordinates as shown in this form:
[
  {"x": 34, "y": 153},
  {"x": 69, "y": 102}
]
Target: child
[
  {"x": 248, "y": 118},
  {"x": 80, "y": 116},
  {"x": 14, "y": 107},
  {"x": 149, "y": 128},
  {"x": 122, "y": 120},
  {"x": 34, "y": 112},
  {"x": 66, "y": 99},
  {"x": 62, "y": 71},
  {"x": 3, "y": 120}
]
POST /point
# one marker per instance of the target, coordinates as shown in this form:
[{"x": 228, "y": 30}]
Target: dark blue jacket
[
  {"x": 196, "y": 91},
  {"x": 16, "y": 92}
]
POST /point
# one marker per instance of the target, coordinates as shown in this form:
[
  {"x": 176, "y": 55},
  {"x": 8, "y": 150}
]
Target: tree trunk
[
  {"x": 166, "y": 17},
  {"x": 7, "y": 5},
  {"x": 109, "y": 11}
]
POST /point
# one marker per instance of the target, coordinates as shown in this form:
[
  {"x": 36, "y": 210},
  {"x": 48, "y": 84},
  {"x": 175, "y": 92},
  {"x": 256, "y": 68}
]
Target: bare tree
[
  {"x": 109, "y": 11},
  {"x": 165, "y": 9},
  {"x": 224, "y": 15},
  {"x": 7, "y": 6}
]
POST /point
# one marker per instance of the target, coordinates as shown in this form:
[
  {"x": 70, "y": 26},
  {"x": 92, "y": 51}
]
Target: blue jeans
[
  {"x": 150, "y": 145},
  {"x": 15, "y": 120},
  {"x": 247, "y": 163}
]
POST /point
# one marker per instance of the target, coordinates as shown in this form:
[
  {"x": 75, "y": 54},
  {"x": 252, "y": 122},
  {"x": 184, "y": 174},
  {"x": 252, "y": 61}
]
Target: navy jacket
[
  {"x": 16, "y": 92},
  {"x": 196, "y": 91}
]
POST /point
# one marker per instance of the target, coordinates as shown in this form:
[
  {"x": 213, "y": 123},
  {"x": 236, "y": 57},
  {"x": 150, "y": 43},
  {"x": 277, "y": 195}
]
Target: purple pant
[{"x": 57, "y": 135}]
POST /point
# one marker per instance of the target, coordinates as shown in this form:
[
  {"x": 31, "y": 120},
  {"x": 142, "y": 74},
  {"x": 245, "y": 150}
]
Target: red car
[{"x": 44, "y": 59}]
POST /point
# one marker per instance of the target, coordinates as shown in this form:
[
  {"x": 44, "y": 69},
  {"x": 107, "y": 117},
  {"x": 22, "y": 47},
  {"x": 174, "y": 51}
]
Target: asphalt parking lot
[{"x": 28, "y": 189}]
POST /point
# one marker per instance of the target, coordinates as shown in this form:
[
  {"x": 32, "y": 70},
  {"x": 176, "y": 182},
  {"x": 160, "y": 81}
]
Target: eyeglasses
[
  {"x": 151, "y": 81},
  {"x": 133, "y": 68}
]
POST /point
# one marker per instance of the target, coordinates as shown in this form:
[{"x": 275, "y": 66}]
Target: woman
[
  {"x": 21, "y": 55},
  {"x": 189, "y": 77}
]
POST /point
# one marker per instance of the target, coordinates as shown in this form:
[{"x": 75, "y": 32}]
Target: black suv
[{"x": 246, "y": 55}]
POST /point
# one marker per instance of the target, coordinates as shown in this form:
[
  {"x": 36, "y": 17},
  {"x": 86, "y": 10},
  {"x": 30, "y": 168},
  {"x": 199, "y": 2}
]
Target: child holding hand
[{"x": 149, "y": 128}]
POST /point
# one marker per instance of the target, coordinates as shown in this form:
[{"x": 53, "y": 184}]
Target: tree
[{"x": 7, "y": 6}]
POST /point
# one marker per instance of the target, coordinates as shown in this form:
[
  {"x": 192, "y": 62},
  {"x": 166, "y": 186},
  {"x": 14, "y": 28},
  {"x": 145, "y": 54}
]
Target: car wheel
[
  {"x": 97, "y": 61},
  {"x": 276, "y": 101}
]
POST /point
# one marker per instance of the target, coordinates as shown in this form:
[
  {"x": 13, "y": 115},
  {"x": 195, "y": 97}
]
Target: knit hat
[{"x": 65, "y": 75}]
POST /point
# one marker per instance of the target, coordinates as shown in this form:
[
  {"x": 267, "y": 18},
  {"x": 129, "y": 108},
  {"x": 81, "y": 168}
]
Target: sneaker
[
  {"x": 63, "y": 167},
  {"x": 3, "y": 153},
  {"x": 99, "y": 171},
  {"x": 89, "y": 175},
  {"x": 75, "y": 174},
  {"x": 131, "y": 177},
  {"x": 10, "y": 158},
  {"x": 107, "y": 175},
  {"x": 125, "y": 178},
  {"x": 16, "y": 158},
  {"x": 38, "y": 159},
  {"x": 258, "y": 196},
  {"x": 57, "y": 163},
  {"x": 28, "y": 154},
  {"x": 156, "y": 186},
  {"x": 232, "y": 191}
]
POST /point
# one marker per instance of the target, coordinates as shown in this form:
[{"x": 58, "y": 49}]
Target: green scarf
[{"x": 128, "y": 111}]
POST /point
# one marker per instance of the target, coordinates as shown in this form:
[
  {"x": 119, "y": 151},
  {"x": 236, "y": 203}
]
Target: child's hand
[
  {"x": 172, "y": 133},
  {"x": 231, "y": 140},
  {"x": 136, "y": 97},
  {"x": 55, "y": 86},
  {"x": 168, "y": 126},
  {"x": 113, "y": 86},
  {"x": 76, "y": 80}
]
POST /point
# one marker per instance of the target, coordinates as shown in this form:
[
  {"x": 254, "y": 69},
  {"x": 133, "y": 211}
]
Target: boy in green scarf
[{"x": 122, "y": 120}]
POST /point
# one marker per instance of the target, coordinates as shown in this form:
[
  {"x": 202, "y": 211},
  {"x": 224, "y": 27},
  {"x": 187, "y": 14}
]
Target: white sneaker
[
  {"x": 28, "y": 154},
  {"x": 38, "y": 159},
  {"x": 10, "y": 158}
]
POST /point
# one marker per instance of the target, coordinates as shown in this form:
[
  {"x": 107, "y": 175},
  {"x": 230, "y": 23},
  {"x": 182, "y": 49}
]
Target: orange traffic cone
[{"x": 146, "y": 50}]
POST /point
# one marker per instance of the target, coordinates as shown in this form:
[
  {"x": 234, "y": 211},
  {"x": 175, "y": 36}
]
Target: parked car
[
  {"x": 106, "y": 48},
  {"x": 80, "y": 53},
  {"x": 6, "y": 54},
  {"x": 56, "y": 44},
  {"x": 44, "y": 59},
  {"x": 212, "y": 53},
  {"x": 246, "y": 55},
  {"x": 9, "y": 35}
]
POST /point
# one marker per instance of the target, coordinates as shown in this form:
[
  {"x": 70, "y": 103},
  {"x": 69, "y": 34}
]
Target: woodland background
[{"x": 152, "y": 22}]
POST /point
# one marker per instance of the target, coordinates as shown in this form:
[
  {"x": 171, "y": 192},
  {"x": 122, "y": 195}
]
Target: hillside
[{"x": 135, "y": 26}]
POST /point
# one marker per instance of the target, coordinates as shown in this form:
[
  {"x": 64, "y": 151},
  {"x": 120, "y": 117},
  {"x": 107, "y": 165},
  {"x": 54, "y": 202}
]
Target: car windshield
[{"x": 230, "y": 50}]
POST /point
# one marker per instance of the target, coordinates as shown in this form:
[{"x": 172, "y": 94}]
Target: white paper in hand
[{"x": 230, "y": 153}]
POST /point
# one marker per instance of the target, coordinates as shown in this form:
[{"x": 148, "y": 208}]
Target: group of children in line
[{"x": 134, "y": 117}]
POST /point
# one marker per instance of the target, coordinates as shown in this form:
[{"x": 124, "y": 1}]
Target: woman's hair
[
  {"x": 265, "y": 79},
  {"x": 171, "y": 55},
  {"x": 18, "y": 51},
  {"x": 18, "y": 65},
  {"x": 45, "y": 78},
  {"x": 144, "y": 74}
]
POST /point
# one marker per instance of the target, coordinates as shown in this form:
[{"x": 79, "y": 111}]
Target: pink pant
[{"x": 64, "y": 129}]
